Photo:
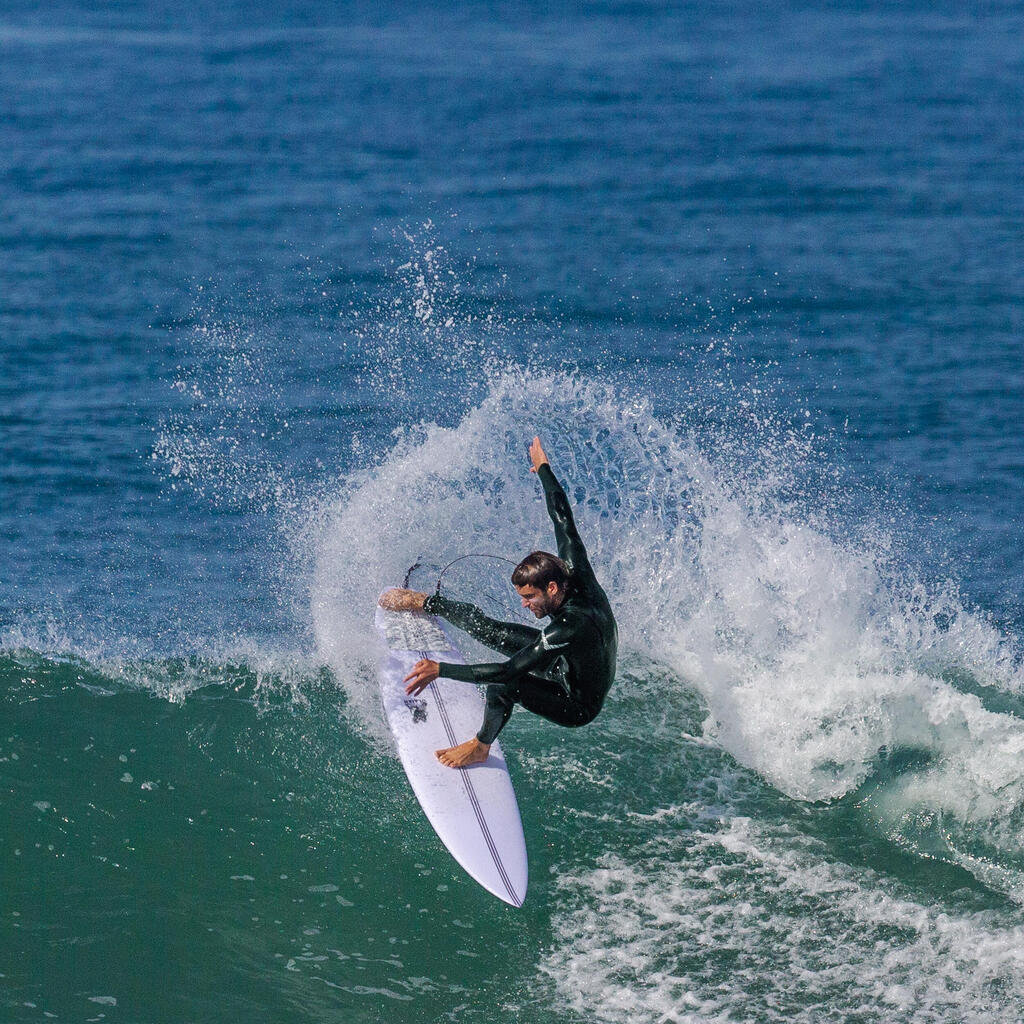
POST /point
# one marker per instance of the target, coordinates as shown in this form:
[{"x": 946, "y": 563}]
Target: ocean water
[{"x": 287, "y": 289}]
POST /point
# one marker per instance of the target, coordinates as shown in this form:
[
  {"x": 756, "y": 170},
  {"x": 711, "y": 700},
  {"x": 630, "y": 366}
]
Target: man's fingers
[
  {"x": 421, "y": 676},
  {"x": 537, "y": 456}
]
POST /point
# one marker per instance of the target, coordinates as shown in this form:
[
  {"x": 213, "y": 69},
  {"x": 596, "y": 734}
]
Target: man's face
[{"x": 541, "y": 602}]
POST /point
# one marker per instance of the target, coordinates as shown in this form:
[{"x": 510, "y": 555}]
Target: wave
[
  {"x": 32, "y": 669},
  {"x": 818, "y": 655},
  {"x": 797, "y": 715}
]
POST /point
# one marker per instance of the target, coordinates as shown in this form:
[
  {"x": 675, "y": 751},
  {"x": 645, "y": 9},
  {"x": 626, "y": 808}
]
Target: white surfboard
[{"x": 473, "y": 810}]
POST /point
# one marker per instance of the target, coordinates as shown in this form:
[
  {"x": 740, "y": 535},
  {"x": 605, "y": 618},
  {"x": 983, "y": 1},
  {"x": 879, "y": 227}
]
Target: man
[{"x": 561, "y": 672}]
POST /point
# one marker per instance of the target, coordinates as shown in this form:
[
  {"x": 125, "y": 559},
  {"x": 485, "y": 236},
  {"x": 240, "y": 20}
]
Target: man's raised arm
[{"x": 570, "y": 544}]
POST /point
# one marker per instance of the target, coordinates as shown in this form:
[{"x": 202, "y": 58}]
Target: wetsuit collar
[{"x": 570, "y": 593}]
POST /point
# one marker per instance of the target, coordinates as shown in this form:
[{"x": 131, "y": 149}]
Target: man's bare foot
[
  {"x": 465, "y": 754},
  {"x": 399, "y": 600}
]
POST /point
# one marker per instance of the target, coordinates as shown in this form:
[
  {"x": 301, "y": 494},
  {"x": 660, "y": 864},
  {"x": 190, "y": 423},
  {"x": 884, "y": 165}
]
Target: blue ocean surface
[{"x": 286, "y": 290}]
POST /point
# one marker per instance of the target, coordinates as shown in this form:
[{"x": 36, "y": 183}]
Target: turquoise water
[{"x": 285, "y": 295}]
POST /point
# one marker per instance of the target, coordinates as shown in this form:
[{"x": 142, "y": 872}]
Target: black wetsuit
[{"x": 561, "y": 672}]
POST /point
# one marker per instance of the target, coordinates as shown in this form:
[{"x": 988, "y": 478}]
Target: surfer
[{"x": 561, "y": 672}]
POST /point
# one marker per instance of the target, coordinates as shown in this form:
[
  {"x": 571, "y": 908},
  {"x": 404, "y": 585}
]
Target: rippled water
[{"x": 286, "y": 292}]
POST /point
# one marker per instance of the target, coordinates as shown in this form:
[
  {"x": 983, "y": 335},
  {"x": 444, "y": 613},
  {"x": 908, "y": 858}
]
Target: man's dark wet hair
[{"x": 538, "y": 569}]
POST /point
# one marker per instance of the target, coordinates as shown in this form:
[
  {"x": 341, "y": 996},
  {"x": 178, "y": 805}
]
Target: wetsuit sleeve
[
  {"x": 570, "y": 545},
  {"x": 505, "y": 637},
  {"x": 531, "y": 660}
]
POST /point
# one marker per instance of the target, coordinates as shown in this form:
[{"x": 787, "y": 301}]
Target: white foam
[{"x": 747, "y": 922}]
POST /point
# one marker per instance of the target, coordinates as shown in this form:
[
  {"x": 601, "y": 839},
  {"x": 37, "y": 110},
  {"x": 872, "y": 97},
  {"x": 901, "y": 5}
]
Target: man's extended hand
[
  {"x": 399, "y": 600},
  {"x": 423, "y": 673},
  {"x": 537, "y": 456}
]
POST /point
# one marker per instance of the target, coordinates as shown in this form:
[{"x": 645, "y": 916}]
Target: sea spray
[
  {"x": 218, "y": 440},
  {"x": 816, "y": 653}
]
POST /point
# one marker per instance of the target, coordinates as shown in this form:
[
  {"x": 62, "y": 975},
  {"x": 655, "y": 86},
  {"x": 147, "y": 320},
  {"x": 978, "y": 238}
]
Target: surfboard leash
[{"x": 440, "y": 576}]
